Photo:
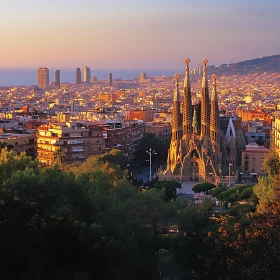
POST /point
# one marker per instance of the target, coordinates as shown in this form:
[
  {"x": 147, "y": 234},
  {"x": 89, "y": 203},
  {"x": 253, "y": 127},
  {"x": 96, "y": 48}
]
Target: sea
[{"x": 28, "y": 77}]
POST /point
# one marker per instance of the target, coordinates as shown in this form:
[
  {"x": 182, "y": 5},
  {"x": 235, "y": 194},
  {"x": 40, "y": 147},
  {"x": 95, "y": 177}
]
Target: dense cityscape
[
  {"x": 92, "y": 125},
  {"x": 140, "y": 140},
  {"x": 115, "y": 113}
]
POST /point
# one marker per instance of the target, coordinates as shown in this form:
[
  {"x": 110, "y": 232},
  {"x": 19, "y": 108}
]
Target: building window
[{"x": 16, "y": 143}]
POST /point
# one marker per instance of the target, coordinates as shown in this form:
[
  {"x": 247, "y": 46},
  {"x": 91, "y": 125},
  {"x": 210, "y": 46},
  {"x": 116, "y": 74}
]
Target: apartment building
[
  {"x": 161, "y": 130},
  {"x": 124, "y": 136},
  {"x": 145, "y": 114},
  {"x": 8, "y": 125},
  {"x": 19, "y": 142},
  {"x": 252, "y": 161},
  {"x": 76, "y": 140}
]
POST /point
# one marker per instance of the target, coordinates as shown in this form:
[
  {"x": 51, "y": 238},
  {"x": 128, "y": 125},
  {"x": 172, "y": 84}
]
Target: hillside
[{"x": 269, "y": 64}]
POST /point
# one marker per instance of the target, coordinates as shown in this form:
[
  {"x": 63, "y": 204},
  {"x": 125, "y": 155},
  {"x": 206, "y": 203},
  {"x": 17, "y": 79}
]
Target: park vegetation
[{"x": 94, "y": 221}]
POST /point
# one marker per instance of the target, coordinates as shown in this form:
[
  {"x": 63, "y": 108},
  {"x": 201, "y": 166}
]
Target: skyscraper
[
  {"x": 78, "y": 76},
  {"x": 43, "y": 77},
  {"x": 142, "y": 77},
  {"x": 57, "y": 77},
  {"x": 86, "y": 75},
  {"x": 110, "y": 79}
]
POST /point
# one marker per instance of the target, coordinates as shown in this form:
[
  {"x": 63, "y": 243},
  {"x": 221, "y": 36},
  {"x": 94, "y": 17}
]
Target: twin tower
[{"x": 195, "y": 150}]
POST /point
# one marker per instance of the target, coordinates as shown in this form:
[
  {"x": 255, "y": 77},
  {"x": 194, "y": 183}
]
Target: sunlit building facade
[{"x": 43, "y": 78}]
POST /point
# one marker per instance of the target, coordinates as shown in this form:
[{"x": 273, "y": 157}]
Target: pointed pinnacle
[
  {"x": 214, "y": 89},
  {"x": 204, "y": 78},
  {"x": 176, "y": 93},
  {"x": 205, "y": 61},
  {"x": 214, "y": 77}
]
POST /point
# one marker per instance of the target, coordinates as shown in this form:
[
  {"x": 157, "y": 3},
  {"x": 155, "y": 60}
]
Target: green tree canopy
[
  {"x": 268, "y": 187},
  {"x": 203, "y": 187},
  {"x": 271, "y": 163},
  {"x": 151, "y": 141}
]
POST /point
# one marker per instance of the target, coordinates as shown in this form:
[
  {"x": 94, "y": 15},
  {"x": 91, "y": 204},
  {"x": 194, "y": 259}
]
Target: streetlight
[
  {"x": 229, "y": 165},
  {"x": 151, "y": 152}
]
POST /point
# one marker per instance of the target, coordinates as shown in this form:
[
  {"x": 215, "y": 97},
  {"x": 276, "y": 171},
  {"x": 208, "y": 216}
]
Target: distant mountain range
[{"x": 269, "y": 64}]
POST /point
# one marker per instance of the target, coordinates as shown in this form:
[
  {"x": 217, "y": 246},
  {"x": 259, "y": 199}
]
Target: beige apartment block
[
  {"x": 71, "y": 141},
  {"x": 20, "y": 142},
  {"x": 252, "y": 161}
]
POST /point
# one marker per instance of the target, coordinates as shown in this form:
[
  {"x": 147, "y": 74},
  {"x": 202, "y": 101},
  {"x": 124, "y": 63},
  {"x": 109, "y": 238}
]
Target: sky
[{"x": 129, "y": 34}]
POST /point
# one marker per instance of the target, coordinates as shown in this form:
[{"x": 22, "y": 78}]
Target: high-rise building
[
  {"x": 43, "y": 77},
  {"x": 142, "y": 77},
  {"x": 110, "y": 79},
  {"x": 86, "y": 75},
  {"x": 57, "y": 77},
  {"x": 78, "y": 76}
]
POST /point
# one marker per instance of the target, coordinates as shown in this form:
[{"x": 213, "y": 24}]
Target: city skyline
[{"x": 136, "y": 34}]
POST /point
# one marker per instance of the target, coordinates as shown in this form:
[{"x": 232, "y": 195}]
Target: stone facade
[{"x": 195, "y": 152}]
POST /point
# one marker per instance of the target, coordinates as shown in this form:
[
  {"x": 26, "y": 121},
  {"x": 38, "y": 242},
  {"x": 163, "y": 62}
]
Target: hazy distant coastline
[{"x": 28, "y": 77}]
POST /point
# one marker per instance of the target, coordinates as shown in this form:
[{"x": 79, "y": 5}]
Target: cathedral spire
[
  {"x": 176, "y": 116},
  {"x": 187, "y": 104},
  {"x": 214, "y": 114},
  {"x": 214, "y": 89},
  {"x": 176, "y": 92},
  {"x": 205, "y": 103},
  {"x": 187, "y": 75},
  {"x": 204, "y": 78}
]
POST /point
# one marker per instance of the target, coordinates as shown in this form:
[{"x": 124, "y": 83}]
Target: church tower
[
  {"x": 195, "y": 152},
  {"x": 176, "y": 116},
  {"x": 187, "y": 104},
  {"x": 215, "y": 132},
  {"x": 214, "y": 114},
  {"x": 205, "y": 103}
]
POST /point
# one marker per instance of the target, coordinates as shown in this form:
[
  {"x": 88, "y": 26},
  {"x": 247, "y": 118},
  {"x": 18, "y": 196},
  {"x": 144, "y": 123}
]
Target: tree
[
  {"x": 266, "y": 192},
  {"x": 268, "y": 187},
  {"x": 239, "y": 193},
  {"x": 188, "y": 245},
  {"x": 203, "y": 187},
  {"x": 167, "y": 266},
  {"x": 151, "y": 141},
  {"x": 194, "y": 217},
  {"x": 216, "y": 191},
  {"x": 4, "y": 145},
  {"x": 115, "y": 156},
  {"x": 169, "y": 187},
  {"x": 247, "y": 248},
  {"x": 271, "y": 163},
  {"x": 10, "y": 162}
]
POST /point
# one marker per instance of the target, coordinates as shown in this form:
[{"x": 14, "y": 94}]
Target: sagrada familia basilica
[{"x": 197, "y": 143}]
